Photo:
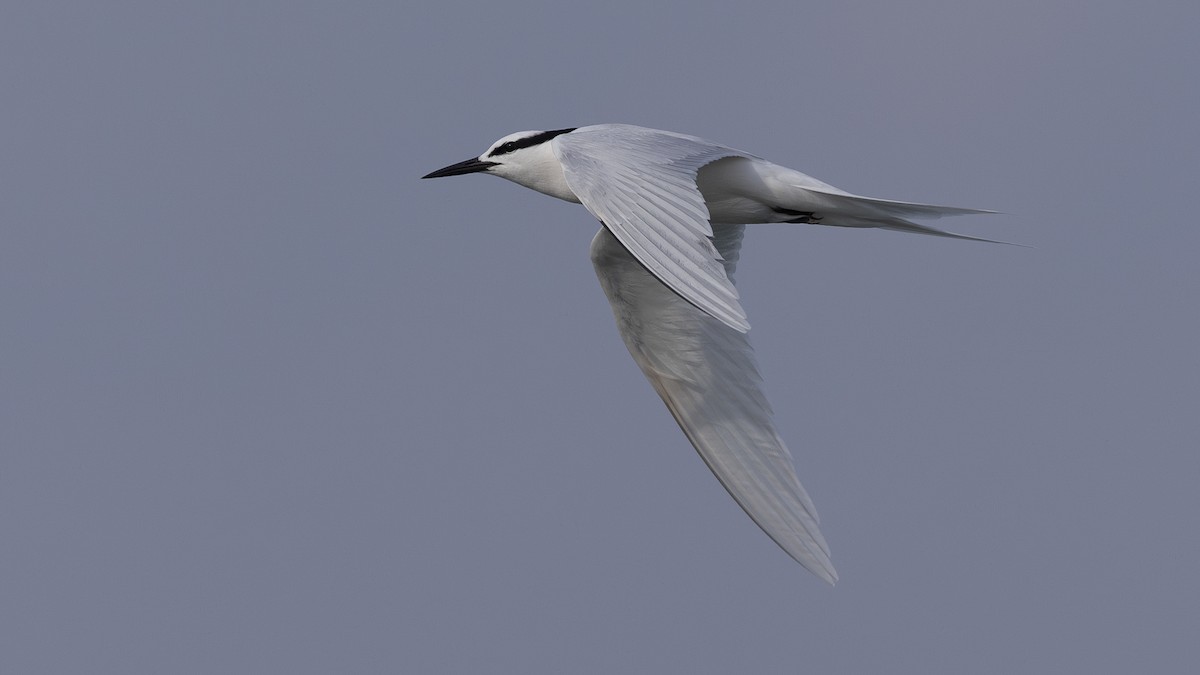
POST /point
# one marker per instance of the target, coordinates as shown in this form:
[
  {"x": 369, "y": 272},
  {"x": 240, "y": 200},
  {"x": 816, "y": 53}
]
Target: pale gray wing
[
  {"x": 705, "y": 372},
  {"x": 641, "y": 183}
]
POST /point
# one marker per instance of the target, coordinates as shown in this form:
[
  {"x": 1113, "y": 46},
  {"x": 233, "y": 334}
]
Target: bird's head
[{"x": 525, "y": 158}]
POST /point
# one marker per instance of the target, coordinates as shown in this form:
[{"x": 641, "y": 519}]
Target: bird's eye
[{"x": 505, "y": 148}]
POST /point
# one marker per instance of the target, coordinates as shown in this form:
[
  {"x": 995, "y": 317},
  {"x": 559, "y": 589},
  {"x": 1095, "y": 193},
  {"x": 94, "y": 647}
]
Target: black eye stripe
[{"x": 528, "y": 141}]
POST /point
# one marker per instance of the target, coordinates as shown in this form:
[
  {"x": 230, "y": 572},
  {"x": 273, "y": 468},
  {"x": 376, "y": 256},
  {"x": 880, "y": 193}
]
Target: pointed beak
[{"x": 472, "y": 165}]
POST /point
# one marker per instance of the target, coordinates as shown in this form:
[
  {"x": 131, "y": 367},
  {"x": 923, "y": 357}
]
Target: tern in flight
[{"x": 673, "y": 209}]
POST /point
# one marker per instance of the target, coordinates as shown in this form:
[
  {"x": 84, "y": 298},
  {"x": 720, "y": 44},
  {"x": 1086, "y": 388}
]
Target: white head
[{"x": 525, "y": 158}]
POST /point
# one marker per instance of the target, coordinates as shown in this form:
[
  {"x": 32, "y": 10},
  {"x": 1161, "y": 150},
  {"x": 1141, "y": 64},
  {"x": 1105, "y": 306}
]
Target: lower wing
[{"x": 706, "y": 374}]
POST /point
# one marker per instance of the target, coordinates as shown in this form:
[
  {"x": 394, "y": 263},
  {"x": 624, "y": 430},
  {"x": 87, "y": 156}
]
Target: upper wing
[
  {"x": 641, "y": 183},
  {"x": 705, "y": 372}
]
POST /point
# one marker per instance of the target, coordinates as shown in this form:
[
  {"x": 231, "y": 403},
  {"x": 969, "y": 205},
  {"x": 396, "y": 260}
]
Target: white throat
[{"x": 537, "y": 169}]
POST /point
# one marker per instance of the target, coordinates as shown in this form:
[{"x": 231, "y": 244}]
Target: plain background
[{"x": 271, "y": 404}]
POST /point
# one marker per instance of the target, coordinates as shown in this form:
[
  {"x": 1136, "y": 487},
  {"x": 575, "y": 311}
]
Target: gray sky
[{"x": 269, "y": 403}]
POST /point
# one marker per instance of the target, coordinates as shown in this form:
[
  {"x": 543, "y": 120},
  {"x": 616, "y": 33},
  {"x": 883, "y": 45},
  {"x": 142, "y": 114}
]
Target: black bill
[{"x": 470, "y": 166}]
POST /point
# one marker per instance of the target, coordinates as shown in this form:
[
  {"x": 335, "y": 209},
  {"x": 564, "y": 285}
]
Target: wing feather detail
[
  {"x": 705, "y": 372},
  {"x": 641, "y": 183}
]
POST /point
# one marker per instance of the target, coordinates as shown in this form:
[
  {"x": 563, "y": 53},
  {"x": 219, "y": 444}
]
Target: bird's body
[{"x": 673, "y": 209}]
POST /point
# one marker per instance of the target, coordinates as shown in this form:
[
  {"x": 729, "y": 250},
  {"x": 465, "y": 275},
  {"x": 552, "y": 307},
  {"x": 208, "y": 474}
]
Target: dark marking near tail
[{"x": 797, "y": 216}]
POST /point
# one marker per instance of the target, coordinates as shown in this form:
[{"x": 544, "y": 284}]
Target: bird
[{"x": 673, "y": 210}]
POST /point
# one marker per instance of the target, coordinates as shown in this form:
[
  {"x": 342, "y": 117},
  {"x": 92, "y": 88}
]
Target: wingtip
[
  {"x": 824, "y": 570},
  {"x": 734, "y": 317}
]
